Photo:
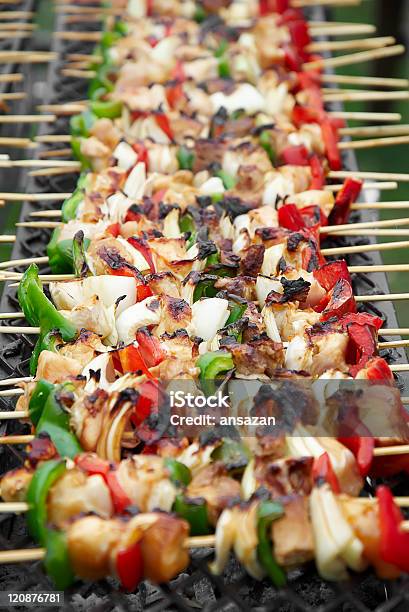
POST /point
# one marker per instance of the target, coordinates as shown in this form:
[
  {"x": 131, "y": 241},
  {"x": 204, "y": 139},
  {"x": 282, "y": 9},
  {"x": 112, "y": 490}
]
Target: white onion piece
[
  {"x": 125, "y": 155},
  {"x": 135, "y": 317},
  {"x": 135, "y": 182},
  {"x": 208, "y": 316},
  {"x": 244, "y": 97},
  {"x": 103, "y": 364},
  {"x": 264, "y": 285}
]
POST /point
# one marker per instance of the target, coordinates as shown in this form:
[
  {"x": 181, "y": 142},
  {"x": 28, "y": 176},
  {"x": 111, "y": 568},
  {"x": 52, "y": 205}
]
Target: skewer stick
[
  {"x": 24, "y": 439},
  {"x": 13, "y": 77},
  {"x": 15, "y": 95},
  {"x": 365, "y": 96},
  {"x": 11, "y": 392},
  {"x": 33, "y": 197},
  {"x": 393, "y": 344},
  {"x": 93, "y": 58},
  {"x": 371, "y": 143},
  {"x": 62, "y": 109},
  {"x": 364, "y": 116},
  {"x": 22, "y": 262},
  {"x": 18, "y": 25},
  {"x": 346, "y": 29},
  {"x": 355, "y": 58},
  {"x": 13, "y": 381},
  {"x": 359, "y": 248},
  {"x": 27, "y": 118},
  {"x": 6, "y": 238},
  {"x": 366, "y": 224},
  {"x": 10, "y": 329},
  {"x": 51, "y": 214},
  {"x": 27, "y": 57},
  {"x": 53, "y": 171},
  {"x": 81, "y": 36},
  {"x": 78, "y": 74},
  {"x": 18, "y": 143},
  {"x": 39, "y": 163},
  {"x": 345, "y": 79},
  {"x": 4, "y": 35},
  {"x": 380, "y": 206},
  {"x": 362, "y": 174},
  {"x": 375, "y": 130},
  {"x": 306, "y": 3},
  {"x": 11, "y": 315},
  {"x": 373, "y": 232},
  {"x": 387, "y": 451},
  {"x": 67, "y": 152},
  {"x": 379, "y": 268},
  {"x": 342, "y": 45},
  {"x": 52, "y": 138},
  {"x": 387, "y": 185},
  {"x": 10, "y": 415},
  {"x": 39, "y": 224},
  {"x": 6, "y": 15},
  {"x": 391, "y": 331}
]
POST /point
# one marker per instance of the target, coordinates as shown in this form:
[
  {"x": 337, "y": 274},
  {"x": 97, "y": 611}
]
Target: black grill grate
[{"x": 197, "y": 589}]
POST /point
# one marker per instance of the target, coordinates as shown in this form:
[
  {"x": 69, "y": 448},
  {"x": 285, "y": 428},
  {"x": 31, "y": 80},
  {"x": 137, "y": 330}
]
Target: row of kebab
[{"x": 194, "y": 238}]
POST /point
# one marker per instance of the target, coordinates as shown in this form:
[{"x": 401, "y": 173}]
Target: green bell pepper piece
[
  {"x": 267, "y": 144},
  {"x": 39, "y": 311},
  {"x": 81, "y": 124},
  {"x": 80, "y": 266},
  {"x": 211, "y": 365},
  {"x": 228, "y": 180},
  {"x": 179, "y": 473},
  {"x": 205, "y": 288},
  {"x": 185, "y": 157},
  {"x": 38, "y": 399},
  {"x": 70, "y": 205},
  {"x": 194, "y": 511},
  {"x": 236, "y": 313},
  {"x": 110, "y": 109},
  {"x": 76, "y": 151},
  {"x": 233, "y": 454},
  {"x": 224, "y": 68},
  {"x": 60, "y": 253},
  {"x": 44, "y": 478},
  {"x": 56, "y": 561},
  {"x": 55, "y": 421},
  {"x": 199, "y": 14},
  {"x": 269, "y": 511},
  {"x": 222, "y": 48}
]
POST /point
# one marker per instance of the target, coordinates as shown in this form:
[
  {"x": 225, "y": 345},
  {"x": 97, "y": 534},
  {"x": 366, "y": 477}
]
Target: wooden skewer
[
  {"x": 18, "y": 143},
  {"x": 21, "y": 262},
  {"x": 89, "y": 57},
  {"x": 10, "y": 329},
  {"x": 386, "y": 451},
  {"x": 366, "y": 224},
  {"x": 18, "y": 25},
  {"x": 11, "y": 392},
  {"x": 27, "y": 57},
  {"x": 382, "y": 268},
  {"x": 50, "y": 214},
  {"x": 365, "y": 96},
  {"x": 355, "y": 58},
  {"x": 362, "y": 174},
  {"x": 15, "y": 95},
  {"x": 371, "y": 143},
  {"x": 7, "y": 238},
  {"x": 16, "y": 15},
  {"x": 66, "y": 152},
  {"x": 379, "y": 246},
  {"x": 346, "y": 29},
  {"x": 54, "y": 171},
  {"x": 78, "y": 74},
  {"x": 27, "y": 118},
  {"x": 33, "y": 197},
  {"x": 306, "y": 3},
  {"x": 375, "y": 130},
  {"x": 6, "y": 34},
  {"x": 391, "y": 331},
  {"x": 13, "y": 381},
  {"x": 400, "y": 367},
  {"x": 380, "y": 206},
  {"x": 342, "y": 45},
  {"x": 24, "y": 439},
  {"x": 38, "y": 163},
  {"x": 39, "y": 224},
  {"x": 345, "y": 79},
  {"x": 52, "y": 138},
  {"x": 387, "y": 185},
  {"x": 62, "y": 109},
  {"x": 11, "y": 315},
  {"x": 364, "y": 116},
  {"x": 13, "y": 77},
  {"x": 373, "y": 232},
  {"x": 81, "y": 36},
  {"x": 393, "y": 344}
]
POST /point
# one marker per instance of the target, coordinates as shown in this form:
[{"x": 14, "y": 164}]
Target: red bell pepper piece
[
  {"x": 330, "y": 138},
  {"x": 149, "y": 348},
  {"x": 129, "y": 566},
  {"x": 317, "y": 173},
  {"x": 362, "y": 447},
  {"x": 143, "y": 292},
  {"x": 328, "y": 274},
  {"x": 322, "y": 470},
  {"x": 114, "y": 229},
  {"x": 341, "y": 300},
  {"x": 293, "y": 59},
  {"x": 313, "y": 216},
  {"x": 296, "y": 156},
  {"x": 273, "y": 6},
  {"x": 119, "y": 498},
  {"x": 289, "y": 217},
  {"x": 361, "y": 347},
  {"x": 362, "y": 318},
  {"x": 131, "y": 360},
  {"x": 394, "y": 544},
  {"x": 92, "y": 464},
  {"x": 299, "y": 33},
  {"x": 132, "y": 214},
  {"x": 141, "y": 245},
  {"x": 163, "y": 123},
  {"x": 345, "y": 197},
  {"x": 304, "y": 114},
  {"x": 377, "y": 369},
  {"x": 143, "y": 154},
  {"x": 148, "y": 402}
]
